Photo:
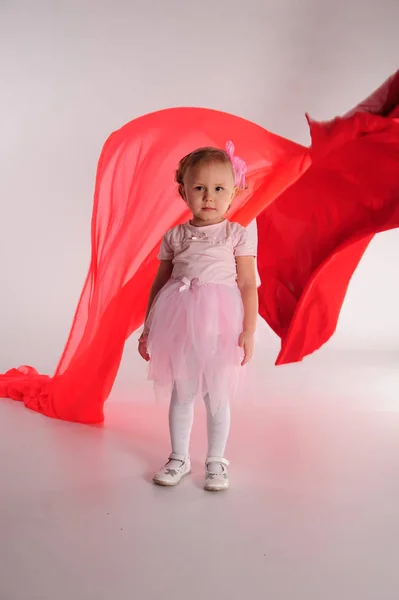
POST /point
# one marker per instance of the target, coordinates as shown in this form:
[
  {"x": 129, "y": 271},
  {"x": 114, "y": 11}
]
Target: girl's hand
[
  {"x": 246, "y": 341},
  {"x": 143, "y": 347}
]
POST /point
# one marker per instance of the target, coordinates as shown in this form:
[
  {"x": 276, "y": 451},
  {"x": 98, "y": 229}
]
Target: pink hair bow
[{"x": 239, "y": 166}]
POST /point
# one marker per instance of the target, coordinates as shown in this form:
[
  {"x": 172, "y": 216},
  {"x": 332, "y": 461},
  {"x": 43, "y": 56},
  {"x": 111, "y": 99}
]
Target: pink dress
[{"x": 196, "y": 319}]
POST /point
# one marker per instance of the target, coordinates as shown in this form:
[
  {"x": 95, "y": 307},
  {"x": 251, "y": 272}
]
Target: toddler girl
[{"x": 202, "y": 311}]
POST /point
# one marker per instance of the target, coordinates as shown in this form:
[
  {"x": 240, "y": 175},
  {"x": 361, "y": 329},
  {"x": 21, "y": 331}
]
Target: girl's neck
[{"x": 198, "y": 223}]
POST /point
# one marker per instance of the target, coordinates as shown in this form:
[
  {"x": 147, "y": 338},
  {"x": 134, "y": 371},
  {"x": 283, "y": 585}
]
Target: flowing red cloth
[
  {"x": 135, "y": 202},
  {"x": 316, "y": 210},
  {"x": 315, "y": 233}
]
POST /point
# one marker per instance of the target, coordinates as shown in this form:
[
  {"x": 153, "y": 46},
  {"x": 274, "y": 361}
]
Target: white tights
[{"x": 181, "y": 416}]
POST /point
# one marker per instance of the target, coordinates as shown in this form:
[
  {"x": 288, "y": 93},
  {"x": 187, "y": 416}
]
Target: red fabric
[
  {"x": 316, "y": 212},
  {"x": 135, "y": 202},
  {"x": 350, "y": 193},
  {"x": 314, "y": 234}
]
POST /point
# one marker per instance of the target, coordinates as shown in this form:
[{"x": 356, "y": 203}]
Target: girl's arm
[
  {"x": 162, "y": 277},
  {"x": 246, "y": 281}
]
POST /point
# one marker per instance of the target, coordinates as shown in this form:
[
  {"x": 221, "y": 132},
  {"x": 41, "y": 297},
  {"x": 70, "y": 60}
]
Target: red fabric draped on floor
[{"x": 316, "y": 209}]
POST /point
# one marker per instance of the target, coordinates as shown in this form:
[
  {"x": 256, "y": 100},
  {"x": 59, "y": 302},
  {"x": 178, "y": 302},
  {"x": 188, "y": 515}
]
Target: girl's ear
[
  {"x": 182, "y": 192},
  {"x": 233, "y": 195}
]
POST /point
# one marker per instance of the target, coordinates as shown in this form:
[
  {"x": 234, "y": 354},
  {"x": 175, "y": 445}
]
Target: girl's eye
[
  {"x": 219, "y": 188},
  {"x": 199, "y": 188}
]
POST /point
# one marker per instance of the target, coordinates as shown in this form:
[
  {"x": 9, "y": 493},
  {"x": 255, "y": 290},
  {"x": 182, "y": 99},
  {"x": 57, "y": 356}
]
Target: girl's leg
[
  {"x": 181, "y": 416},
  {"x": 218, "y": 426}
]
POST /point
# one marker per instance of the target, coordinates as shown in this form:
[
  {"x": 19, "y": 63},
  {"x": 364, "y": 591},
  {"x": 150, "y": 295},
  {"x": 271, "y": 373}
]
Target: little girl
[{"x": 202, "y": 311}]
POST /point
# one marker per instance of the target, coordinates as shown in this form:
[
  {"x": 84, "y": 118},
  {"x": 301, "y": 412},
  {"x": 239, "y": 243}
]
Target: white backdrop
[{"x": 72, "y": 71}]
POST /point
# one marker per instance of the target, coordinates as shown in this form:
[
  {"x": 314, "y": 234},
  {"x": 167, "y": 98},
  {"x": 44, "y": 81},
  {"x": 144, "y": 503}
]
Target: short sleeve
[
  {"x": 165, "y": 251},
  {"x": 246, "y": 240}
]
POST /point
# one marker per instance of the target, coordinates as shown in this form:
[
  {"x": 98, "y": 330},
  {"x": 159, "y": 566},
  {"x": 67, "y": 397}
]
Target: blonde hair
[{"x": 198, "y": 157}]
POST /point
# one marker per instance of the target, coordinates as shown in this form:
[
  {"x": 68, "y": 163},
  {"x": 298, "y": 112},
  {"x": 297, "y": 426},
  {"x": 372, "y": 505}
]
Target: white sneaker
[
  {"x": 216, "y": 477},
  {"x": 172, "y": 475}
]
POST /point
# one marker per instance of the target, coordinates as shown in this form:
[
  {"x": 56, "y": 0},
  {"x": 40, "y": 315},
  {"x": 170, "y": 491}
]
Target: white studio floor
[{"x": 312, "y": 514}]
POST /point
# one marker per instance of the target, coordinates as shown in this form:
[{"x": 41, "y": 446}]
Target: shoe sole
[
  {"x": 215, "y": 489},
  {"x": 170, "y": 484}
]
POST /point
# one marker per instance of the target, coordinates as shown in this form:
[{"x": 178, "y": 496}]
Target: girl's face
[{"x": 209, "y": 190}]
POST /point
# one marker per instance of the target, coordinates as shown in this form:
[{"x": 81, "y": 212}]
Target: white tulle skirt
[{"x": 193, "y": 340}]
